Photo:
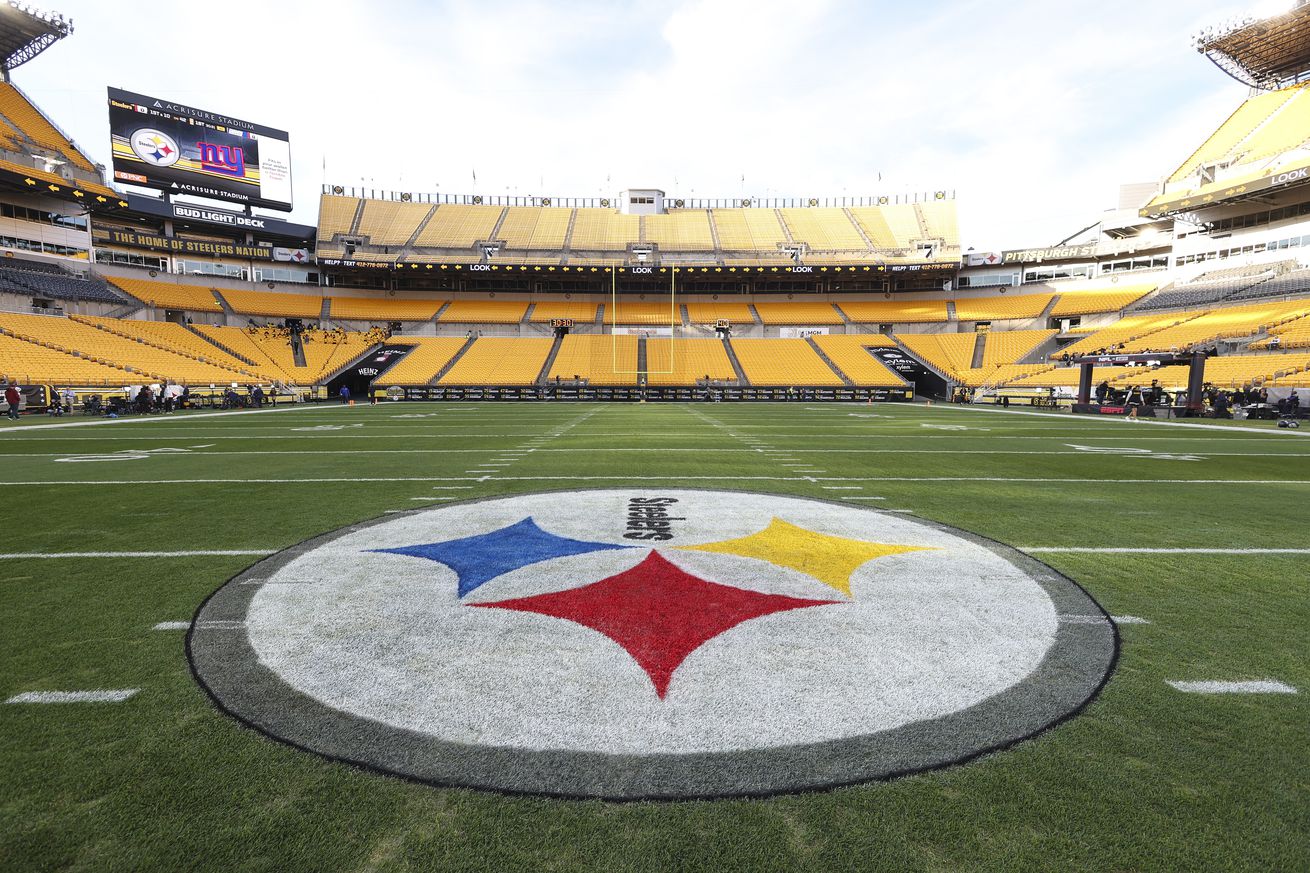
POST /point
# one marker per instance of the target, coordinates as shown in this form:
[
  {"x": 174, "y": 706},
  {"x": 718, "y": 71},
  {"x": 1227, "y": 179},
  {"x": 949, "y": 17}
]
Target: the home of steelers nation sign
[{"x": 667, "y": 644}]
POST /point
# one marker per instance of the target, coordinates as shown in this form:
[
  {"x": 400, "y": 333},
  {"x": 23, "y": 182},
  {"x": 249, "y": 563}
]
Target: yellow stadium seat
[
  {"x": 426, "y": 358},
  {"x": 601, "y": 359},
  {"x": 484, "y": 312},
  {"x": 500, "y": 361},
  {"x": 783, "y": 362},
  {"x": 798, "y": 313},
  {"x": 671, "y": 361}
]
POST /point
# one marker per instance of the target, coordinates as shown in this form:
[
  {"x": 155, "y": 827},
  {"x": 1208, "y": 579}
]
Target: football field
[{"x": 113, "y": 756}]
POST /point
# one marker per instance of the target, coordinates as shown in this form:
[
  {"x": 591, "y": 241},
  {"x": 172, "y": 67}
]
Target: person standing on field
[{"x": 13, "y": 398}]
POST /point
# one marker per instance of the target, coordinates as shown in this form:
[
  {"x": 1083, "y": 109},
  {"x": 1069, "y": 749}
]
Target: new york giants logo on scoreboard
[{"x": 228, "y": 160}]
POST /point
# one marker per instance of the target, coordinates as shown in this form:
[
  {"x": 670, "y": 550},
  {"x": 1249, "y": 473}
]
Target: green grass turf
[{"x": 1147, "y": 778}]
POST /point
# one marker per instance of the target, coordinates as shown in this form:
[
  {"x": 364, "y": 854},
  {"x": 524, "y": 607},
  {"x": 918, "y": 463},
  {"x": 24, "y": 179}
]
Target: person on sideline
[{"x": 13, "y": 398}]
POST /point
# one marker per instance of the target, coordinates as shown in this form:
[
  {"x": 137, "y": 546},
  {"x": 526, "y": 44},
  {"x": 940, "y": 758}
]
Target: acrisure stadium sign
[{"x": 651, "y": 643}]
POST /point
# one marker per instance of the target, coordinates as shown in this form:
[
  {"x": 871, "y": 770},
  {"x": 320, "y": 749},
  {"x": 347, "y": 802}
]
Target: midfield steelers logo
[{"x": 639, "y": 644}]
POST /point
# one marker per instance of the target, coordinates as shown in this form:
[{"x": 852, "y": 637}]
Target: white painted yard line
[
  {"x": 194, "y": 553},
  {"x": 864, "y": 498},
  {"x": 116, "y": 695},
  {"x": 172, "y": 626},
  {"x": 1259, "y": 686},
  {"x": 1122, "y": 422},
  {"x": 186, "y": 416},
  {"x": 245, "y": 434},
  {"x": 671, "y": 478},
  {"x": 842, "y": 488},
  {"x": 1049, "y": 550},
  {"x": 1109, "y": 451},
  {"x": 1128, "y": 619},
  {"x": 431, "y": 499}
]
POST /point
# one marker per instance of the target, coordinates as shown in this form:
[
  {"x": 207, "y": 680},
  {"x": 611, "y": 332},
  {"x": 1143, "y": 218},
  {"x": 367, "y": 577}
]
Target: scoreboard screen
[
  {"x": 561, "y": 322},
  {"x": 184, "y": 150}
]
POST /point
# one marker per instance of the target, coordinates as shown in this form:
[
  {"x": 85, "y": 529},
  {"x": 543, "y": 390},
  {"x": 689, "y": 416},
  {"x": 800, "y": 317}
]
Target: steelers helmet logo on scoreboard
[
  {"x": 155, "y": 147},
  {"x": 651, "y": 643}
]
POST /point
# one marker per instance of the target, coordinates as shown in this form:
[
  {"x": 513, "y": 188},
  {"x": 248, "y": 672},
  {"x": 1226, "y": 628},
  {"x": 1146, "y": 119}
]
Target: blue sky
[{"x": 1032, "y": 112}]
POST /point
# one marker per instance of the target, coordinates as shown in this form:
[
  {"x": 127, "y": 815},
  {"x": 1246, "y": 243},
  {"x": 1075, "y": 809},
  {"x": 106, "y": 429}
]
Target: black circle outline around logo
[{"x": 218, "y": 625}]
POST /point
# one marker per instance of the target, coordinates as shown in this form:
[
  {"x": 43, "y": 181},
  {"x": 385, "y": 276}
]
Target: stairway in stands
[
  {"x": 978, "y": 348},
  {"x": 219, "y": 345},
  {"x": 736, "y": 364},
  {"x": 453, "y": 360},
  {"x": 550, "y": 359},
  {"x": 832, "y": 365}
]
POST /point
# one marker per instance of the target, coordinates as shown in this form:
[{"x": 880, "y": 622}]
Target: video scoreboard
[{"x": 184, "y": 150}]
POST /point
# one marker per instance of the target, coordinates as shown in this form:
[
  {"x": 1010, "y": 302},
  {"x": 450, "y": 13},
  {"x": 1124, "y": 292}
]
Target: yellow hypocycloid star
[{"x": 829, "y": 559}]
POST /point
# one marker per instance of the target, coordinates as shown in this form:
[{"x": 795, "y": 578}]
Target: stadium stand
[
  {"x": 687, "y": 361},
  {"x": 1216, "y": 285},
  {"x": 1296, "y": 281},
  {"x": 391, "y": 222},
  {"x": 894, "y": 311},
  {"x": 54, "y": 179},
  {"x": 1289, "y": 335},
  {"x": 662, "y": 313},
  {"x": 268, "y": 357},
  {"x": 748, "y": 230},
  {"x": 484, "y": 312},
  {"x": 782, "y": 362},
  {"x": 824, "y": 229},
  {"x": 1203, "y": 327},
  {"x": 684, "y": 230},
  {"x": 179, "y": 340},
  {"x": 541, "y": 229},
  {"x": 609, "y": 359},
  {"x": 500, "y": 361},
  {"x": 952, "y": 353},
  {"x": 576, "y": 310},
  {"x": 603, "y": 230},
  {"x": 1262, "y": 138},
  {"x": 26, "y": 362},
  {"x": 1125, "y": 330},
  {"x": 850, "y": 353},
  {"x": 48, "y": 280},
  {"x": 798, "y": 313},
  {"x": 192, "y": 298},
  {"x": 458, "y": 226},
  {"x": 1068, "y": 377},
  {"x": 1226, "y": 371},
  {"x": 383, "y": 309},
  {"x": 28, "y": 121},
  {"x": 1250, "y": 115},
  {"x": 1012, "y": 346},
  {"x": 422, "y": 364},
  {"x": 709, "y": 313},
  {"x": 1001, "y": 308},
  {"x": 326, "y": 352},
  {"x": 275, "y": 304},
  {"x": 1074, "y": 301},
  {"x": 335, "y": 215},
  {"x": 88, "y": 341}
]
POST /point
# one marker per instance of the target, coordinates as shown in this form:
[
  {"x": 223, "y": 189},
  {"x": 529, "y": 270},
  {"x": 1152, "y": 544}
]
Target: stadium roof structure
[
  {"x": 25, "y": 32},
  {"x": 1268, "y": 53}
]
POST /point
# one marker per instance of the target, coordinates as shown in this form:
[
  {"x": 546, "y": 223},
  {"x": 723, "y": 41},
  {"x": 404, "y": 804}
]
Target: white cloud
[{"x": 1032, "y": 113}]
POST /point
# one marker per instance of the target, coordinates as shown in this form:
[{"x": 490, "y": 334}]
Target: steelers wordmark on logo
[
  {"x": 155, "y": 147},
  {"x": 644, "y": 643}
]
